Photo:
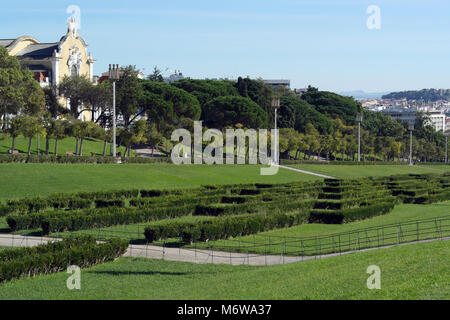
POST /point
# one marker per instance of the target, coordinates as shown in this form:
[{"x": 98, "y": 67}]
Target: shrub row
[
  {"x": 57, "y": 221},
  {"x": 24, "y": 158},
  {"x": 109, "y": 203},
  {"x": 54, "y": 257},
  {"x": 224, "y": 227},
  {"x": 283, "y": 205},
  {"x": 352, "y": 214}
]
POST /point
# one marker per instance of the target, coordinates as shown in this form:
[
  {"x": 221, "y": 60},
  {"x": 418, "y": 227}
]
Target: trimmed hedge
[
  {"x": 24, "y": 158},
  {"x": 352, "y": 214},
  {"x": 79, "y": 203},
  {"x": 55, "y": 257},
  {"x": 225, "y": 227},
  {"x": 109, "y": 203},
  {"x": 99, "y": 218}
]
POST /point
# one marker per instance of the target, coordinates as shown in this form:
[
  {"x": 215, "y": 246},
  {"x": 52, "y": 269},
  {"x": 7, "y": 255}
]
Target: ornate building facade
[{"x": 51, "y": 62}]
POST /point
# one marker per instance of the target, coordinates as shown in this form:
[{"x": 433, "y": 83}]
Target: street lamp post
[
  {"x": 114, "y": 76},
  {"x": 359, "y": 118},
  {"x": 275, "y": 106},
  {"x": 411, "y": 128}
]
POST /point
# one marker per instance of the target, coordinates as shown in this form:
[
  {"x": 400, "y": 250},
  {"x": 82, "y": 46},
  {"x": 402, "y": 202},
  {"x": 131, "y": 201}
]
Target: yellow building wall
[
  {"x": 21, "y": 44},
  {"x": 65, "y": 49},
  {"x": 64, "y": 67}
]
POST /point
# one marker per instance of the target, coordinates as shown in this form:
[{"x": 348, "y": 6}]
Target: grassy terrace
[
  {"x": 354, "y": 171},
  {"x": 39, "y": 179},
  {"x": 418, "y": 271},
  {"x": 64, "y": 145}
]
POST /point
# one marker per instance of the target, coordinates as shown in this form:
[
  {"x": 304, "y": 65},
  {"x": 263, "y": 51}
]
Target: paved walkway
[
  {"x": 147, "y": 152},
  {"x": 195, "y": 256},
  {"x": 306, "y": 172}
]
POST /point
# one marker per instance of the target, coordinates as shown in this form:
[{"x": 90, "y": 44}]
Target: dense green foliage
[
  {"x": 167, "y": 103},
  {"x": 427, "y": 95},
  {"x": 207, "y": 90},
  {"x": 296, "y": 113},
  {"x": 333, "y": 105},
  {"x": 227, "y": 111}
]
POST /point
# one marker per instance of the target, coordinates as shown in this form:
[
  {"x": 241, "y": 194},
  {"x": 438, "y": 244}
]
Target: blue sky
[{"x": 324, "y": 43}]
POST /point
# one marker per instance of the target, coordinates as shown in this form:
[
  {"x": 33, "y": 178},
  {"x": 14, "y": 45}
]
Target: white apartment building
[{"x": 436, "y": 118}]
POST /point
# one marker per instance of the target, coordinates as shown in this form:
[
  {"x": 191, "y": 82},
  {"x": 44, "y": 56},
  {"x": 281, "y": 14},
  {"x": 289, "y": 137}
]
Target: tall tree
[
  {"x": 31, "y": 126},
  {"x": 228, "y": 111},
  {"x": 129, "y": 94},
  {"x": 19, "y": 92},
  {"x": 156, "y": 75},
  {"x": 75, "y": 88},
  {"x": 14, "y": 129}
]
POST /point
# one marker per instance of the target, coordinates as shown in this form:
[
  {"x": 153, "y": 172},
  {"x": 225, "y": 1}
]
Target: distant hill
[
  {"x": 427, "y": 95},
  {"x": 359, "y": 94}
]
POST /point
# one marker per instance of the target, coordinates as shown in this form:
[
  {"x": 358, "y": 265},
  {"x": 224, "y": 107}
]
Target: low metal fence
[{"x": 263, "y": 249}]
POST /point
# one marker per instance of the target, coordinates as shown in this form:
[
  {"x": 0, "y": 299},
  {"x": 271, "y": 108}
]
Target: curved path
[
  {"x": 306, "y": 172},
  {"x": 196, "y": 255}
]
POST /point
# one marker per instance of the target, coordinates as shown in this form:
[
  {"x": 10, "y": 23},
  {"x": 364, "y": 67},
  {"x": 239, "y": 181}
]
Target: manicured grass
[
  {"x": 356, "y": 171},
  {"x": 65, "y": 145},
  {"x": 418, "y": 271},
  {"x": 39, "y": 179}
]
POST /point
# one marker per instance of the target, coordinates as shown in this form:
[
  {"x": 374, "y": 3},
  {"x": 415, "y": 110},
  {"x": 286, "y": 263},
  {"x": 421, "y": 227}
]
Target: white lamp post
[
  {"x": 359, "y": 118},
  {"x": 114, "y": 76},
  {"x": 276, "y": 105}
]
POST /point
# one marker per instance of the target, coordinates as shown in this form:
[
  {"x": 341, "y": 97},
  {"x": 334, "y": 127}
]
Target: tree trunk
[
  {"x": 56, "y": 147},
  {"x": 129, "y": 151},
  {"x": 13, "y": 144},
  {"x": 29, "y": 145},
  {"x": 153, "y": 149},
  {"x": 76, "y": 147},
  {"x": 47, "y": 145},
  {"x": 125, "y": 153},
  {"x": 81, "y": 147},
  {"x": 104, "y": 148}
]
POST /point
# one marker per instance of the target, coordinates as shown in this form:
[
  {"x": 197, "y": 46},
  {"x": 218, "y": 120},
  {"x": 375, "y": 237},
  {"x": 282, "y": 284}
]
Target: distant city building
[
  {"x": 300, "y": 91},
  {"x": 105, "y": 75},
  {"x": 437, "y": 119},
  {"x": 177, "y": 75},
  {"x": 279, "y": 83}
]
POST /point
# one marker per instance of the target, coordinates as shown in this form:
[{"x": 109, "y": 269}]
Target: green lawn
[
  {"x": 356, "y": 171},
  {"x": 33, "y": 179},
  {"x": 418, "y": 271},
  {"x": 64, "y": 145}
]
